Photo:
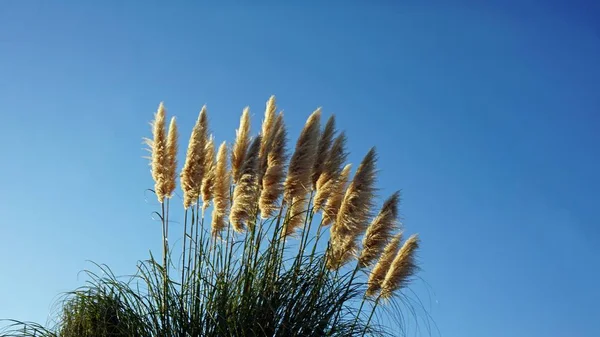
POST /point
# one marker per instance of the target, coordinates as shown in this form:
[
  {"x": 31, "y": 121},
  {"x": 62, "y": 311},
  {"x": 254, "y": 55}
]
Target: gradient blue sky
[{"x": 485, "y": 115}]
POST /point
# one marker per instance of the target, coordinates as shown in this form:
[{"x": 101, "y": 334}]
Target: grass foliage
[{"x": 273, "y": 268}]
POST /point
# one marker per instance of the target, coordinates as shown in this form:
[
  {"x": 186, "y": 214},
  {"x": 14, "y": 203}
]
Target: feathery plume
[
  {"x": 402, "y": 268},
  {"x": 379, "y": 231},
  {"x": 159, "y": 155},
  {"x": 355, "y": 209},
  {"x": 354, "y": 213},
  {"x": 245, "y": 194},
  {"x": 380, "y": 270},
  {"x": 344, "y": 251},
  {"x": 171, "y": 178},
  {"x": 240, "y": 147},
  {"x": 332, "y": 206},
  {"x": 209, "y": 173},
  {"x": 193, "y": 168},
  {"x": 326, "y": 184},
  {"x": 272, "y": 181},
  {"x": 220, "y": 191},
  {"x": 325, "y": 140},
  {"x": 296, "y": 217},
  {"x": 298, "y": 180},
  {"x": 267, "y": 134}
]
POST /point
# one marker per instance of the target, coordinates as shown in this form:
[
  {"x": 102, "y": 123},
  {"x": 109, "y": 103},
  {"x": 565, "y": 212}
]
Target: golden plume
[
  {"x": 342, "y": 250},
  {"x": 159, "y": 154},
  {"x": 245, "y": 194},
  {"x": 334, "y": 200},
  {"x": 325, "y": 140},
  {"x": 297, "y": 215},
  {"x": 240, "y": 147},
  {"x": 355, "y": 210},
  {"x": 220, "y": 192},
  {"x": 402, "y": 268},
  {"x": 171, "y": 178},
  {"x": 193, "y": 168},
  {"x": 379, "y": 231},
  {"x": 298, "y": 180},
  {"x": 209, "y": 173},
  {"x": 272, "y": 181},
  {"x": 267, "y": 134},
  {"x": 327, "y": 184},
  {"x": 380, "y": 270}
]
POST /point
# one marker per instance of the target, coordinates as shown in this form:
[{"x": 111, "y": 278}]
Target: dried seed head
[
  {"x": 335, "y": 197},
  {"x": 342, "y": 250},
  {"x": 355, "y": 210},
  {"x": 402, "y": 269},
  {"x": 221, "y": 192},
  {"x": 298, "y": 180},
  {"x": 209, "y": 173},
  {"x": 297, "y": 216},
  {"x": 159, "y": 154},
  {"x": 326, "y": 184},
  {"x": 267, "y": 134},
  {"x": 272, "y": 182},
  {"x": 325, "y": 140},
  {"x": 379, "y": 231},
  {"x": 193, "y": 168},
  {"x": 245, "y": 194},
  {"x": 240, "y": 147},
  {"x": 380, "y": 270},
  {"x": 170, "y": 182}
]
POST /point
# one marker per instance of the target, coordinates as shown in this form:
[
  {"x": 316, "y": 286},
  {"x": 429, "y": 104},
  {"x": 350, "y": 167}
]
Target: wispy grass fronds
[
  {"x": 379, "y": 231},
  {"x": 193, "y": 169},
  {"x": 328, "y": 178},
  {"x": 221, "y": 192},
  {"x": 159, "y": 159},
  {"x": 382, "y": 267},
  {"x": 272, "y": 181},
  {"x": 297, "y": 216},
  {"x": 336, "y": 196},
  {"x": 240, "y": 146},
  {"x": 355, "y": 210},
  {"x": 402, "y": 268},
  {"x": 245, "y": 194},
  {"x": 298, "y": 180},
  {"x": 267, "y": 134},
  {"x": 171, "y": 174},
  {"x": 325, "y": 140},
  {"x": 209, "y": 173}
]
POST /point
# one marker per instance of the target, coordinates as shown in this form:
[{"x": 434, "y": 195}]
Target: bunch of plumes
[
  {"x": 261, "y": 186},
  {"x": 354, "y": 213}
]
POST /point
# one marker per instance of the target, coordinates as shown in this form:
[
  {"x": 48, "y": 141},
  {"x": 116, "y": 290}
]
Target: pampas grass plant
[{"x": 264, "y": 262}]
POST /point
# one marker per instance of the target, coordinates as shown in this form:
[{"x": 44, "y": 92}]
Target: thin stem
[
  {"x": 165, "y": 227},
  {"x": 183, "y": 282},
  {"x": 371, "y": 315},
  {"x": 319, "y": 233},
  {"x": 337, "y": 316}
]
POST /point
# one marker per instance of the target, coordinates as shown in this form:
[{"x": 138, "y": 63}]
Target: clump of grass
[{"x": 256, "y": 266}]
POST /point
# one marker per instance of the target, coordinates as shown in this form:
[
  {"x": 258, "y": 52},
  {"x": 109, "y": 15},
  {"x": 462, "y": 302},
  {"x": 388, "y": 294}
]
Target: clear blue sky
[{"x": 486, "y": 116}]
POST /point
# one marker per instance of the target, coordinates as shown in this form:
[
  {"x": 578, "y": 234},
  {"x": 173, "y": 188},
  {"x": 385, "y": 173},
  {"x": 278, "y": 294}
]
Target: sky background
[{"x": 485, "y": 115}]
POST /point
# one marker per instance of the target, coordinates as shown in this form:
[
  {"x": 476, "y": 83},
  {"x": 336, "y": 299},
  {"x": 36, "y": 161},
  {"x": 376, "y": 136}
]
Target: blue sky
[{"x": 485, "y": 115}]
